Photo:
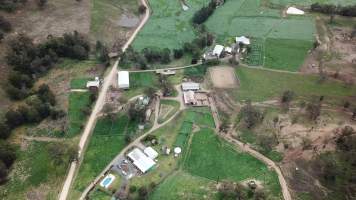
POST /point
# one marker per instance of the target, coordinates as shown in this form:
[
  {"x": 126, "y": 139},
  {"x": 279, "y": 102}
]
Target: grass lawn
[
  {"x": 35, "y": 169},
  {"x": 106, "y": 142},
  {"x": 215, "y": 159},
  {"x": 169, "y": 26},
  {"x": 79, "y": 83},
  {"x": 77, "y": 102},
  {"x": 105, "y": 15},
  {"x": 182, "y": 185},
  {"x": 139, "y": 81},
  {"x": 260, "y": 85},
  {"x": 167, "y": 109},
  {"x": 286, "y": 54}
]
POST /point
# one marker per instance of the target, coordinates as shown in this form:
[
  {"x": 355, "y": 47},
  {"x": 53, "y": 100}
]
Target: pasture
[
  {"x": 77, "y": 102},
  {"x": 214, "y": 159},
  {"x": 270, "y": 33},
  {"x": 139, "y": 81},
  {"x": 260, "y": 85},
  {"x": 106, "y": 142},
  {"x": 36, "y": 167},
  {"x": 169, "y": 26},
  {"x": 182, "y": 185}
]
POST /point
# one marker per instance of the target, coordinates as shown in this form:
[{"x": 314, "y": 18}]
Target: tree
[
  {"x": 166, "y": 56},
  {"x": 150, "y": 92},
  {"x": 353, "y": 114},
  {"x": 287, "y": 96},
  {"x": 250, "y": 115},
  {"x": 5, "y": 25},
  {"x": 41, "y": 3},
  {"x": 7, "y": 153},
  {"x": 231, "y": 191},
  {"x": 142, "y": 9},
  {"x": 314, "y": 109},
  {"x": 46, "y": 95},
  {"x": 3, "y": 172},
  {"x": 4, "y": 130},
  {"x": 178, "y": 53},
  {"x": 13, "y": 118}
]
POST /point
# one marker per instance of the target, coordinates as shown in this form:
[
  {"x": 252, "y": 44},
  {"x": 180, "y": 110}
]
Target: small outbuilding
[
  {"x": 243, "y": 40},
  {"x": 93, "y": 84},
  {"x": 187, "y": 86},
  {"x": 218, "y": 49},
  {"x": 294, "y": 11},
  {"x": 150, "y": 152},
  {"x": 123, "y": 80}
]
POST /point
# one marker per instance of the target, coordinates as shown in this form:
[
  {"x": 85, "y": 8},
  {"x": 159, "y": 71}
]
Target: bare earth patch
[{"x": 223, "y": 77}]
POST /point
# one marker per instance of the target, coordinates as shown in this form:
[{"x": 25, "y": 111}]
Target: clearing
[{"x": 223, "y": 77}]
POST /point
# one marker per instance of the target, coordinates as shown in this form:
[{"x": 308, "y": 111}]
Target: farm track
[
  {"x": 246, "y": 148},
  {"x": 97, "y": 108}
]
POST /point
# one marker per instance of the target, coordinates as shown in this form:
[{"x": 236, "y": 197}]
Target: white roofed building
[
  {"x": 294, "y": 11},
  {"x": 123, "y": 80},
  {"x": 218, "y": 49},
  {"x": 189, "y": 98},
  {"x": 150, "y": 152},
  {"x": 141, "y": 160},
  {"x": 186, "y": 86},
  {"x": 244, "y": 40}
]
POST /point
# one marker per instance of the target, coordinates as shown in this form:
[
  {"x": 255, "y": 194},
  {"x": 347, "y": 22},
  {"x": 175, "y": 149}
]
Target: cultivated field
[
  {"x": 249, "y": 18},
  {"x": 223, "y": 77},
  {"x": 169, "y": 26}
]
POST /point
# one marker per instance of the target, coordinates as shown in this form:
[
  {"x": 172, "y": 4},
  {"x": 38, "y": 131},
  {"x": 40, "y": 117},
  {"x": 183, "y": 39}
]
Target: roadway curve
[{"x": 97, "y": 108}]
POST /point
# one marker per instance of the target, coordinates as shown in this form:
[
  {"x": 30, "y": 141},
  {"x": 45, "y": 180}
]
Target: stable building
[
  {"x": 141, "y": 161},
  {"x": 123, "y": 80},
  {"x": 150, "y": 152},
  {"x": 187, "y": 86},
  {"x": 189, "y": 98}
]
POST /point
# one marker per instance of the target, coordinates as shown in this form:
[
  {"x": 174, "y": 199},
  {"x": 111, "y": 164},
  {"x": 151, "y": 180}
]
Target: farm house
[
  {"x": 141, "y": 160},
  {"x": 123, "y": 80},
  {"x": 218, "y": 49}
]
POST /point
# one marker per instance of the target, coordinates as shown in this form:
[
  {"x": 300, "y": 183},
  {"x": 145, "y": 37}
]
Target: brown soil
[
  {"x": 339, "y": 51},
  {"x": 223, "y": 77}
]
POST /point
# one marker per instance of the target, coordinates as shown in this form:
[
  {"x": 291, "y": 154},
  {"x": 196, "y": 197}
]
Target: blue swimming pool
[{"x": 107, "y": 181}]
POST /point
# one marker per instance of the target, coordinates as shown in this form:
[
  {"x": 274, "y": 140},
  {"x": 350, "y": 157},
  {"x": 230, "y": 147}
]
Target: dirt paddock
[{"x": 223, "y": 77}]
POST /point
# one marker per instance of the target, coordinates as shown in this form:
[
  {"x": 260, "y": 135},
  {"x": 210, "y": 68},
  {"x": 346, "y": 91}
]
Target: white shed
[
  {"x": 244, "y": 40},
  {"x": 294, "y": 11},
  {"x": 150, "y": 152},
  {"x": 123, "y": 79},
  {"x": 218, "y": 49}
]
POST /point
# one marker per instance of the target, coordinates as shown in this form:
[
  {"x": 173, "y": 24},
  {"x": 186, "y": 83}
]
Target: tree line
[
  {"x": 204, "y": 13},
  {"x": 29, "y": 61},
  {"x": 347, "y": 11}
]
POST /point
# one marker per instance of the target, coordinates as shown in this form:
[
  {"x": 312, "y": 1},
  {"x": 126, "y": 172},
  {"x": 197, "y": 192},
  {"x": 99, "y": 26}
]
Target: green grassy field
[
  {"x": 35, "y": 168},
  {"x": 260, "y": 85},
  {"x": 286, "y": 54},
  {"x": 139, "y": 81},
  {"x": 169, "y": 26},
  {"x": 106, "y": 142},
  {"x": 79, "y": 83},
  {"x": 170, "y": 107},
  {"x": 266, "y": 27},
  {"x": 77, "y": 102},
  {"x": 309, "y": 2},
  {"x": 215, "y": 159},
  {"x": 182, "y": 185}
]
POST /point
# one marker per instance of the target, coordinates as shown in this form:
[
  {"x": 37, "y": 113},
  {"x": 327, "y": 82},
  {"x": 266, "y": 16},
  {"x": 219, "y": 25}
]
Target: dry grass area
[
  {"x": 223, "y": 77},
  {"x": 337, "y": 50}
]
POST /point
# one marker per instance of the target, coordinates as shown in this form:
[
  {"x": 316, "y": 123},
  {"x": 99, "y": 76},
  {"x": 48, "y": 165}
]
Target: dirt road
[{"x": 97, "y": 108}]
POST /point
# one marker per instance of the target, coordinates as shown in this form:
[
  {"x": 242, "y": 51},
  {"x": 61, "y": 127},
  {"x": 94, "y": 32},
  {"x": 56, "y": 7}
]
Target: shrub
[
  {"x": 142, "y": 9},
  {"x": 5, "y": 25},
  {"x": 178, "y": 53}
]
